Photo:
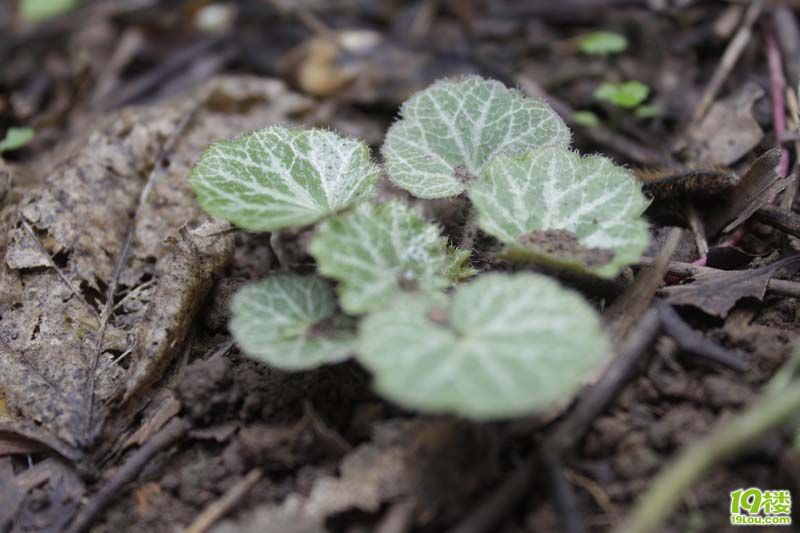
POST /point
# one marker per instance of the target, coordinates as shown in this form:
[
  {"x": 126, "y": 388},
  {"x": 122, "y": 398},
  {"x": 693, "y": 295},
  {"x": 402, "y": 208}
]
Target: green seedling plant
[
  {"x": 392, "y": 291},
  {"x": 626, "y": 95},
  {"x": 16, "y": 138},
  {"x": 603, "y": 43}
]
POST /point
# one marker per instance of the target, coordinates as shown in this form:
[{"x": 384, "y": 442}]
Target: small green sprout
[
  {"x": 644, "y": 112},
  {"x": 603, "y": 43},
  {"x": 495, "y": 347},
  {"x": 587, "y": 119},
  {"x": 627, "y": 95},
  {"x": 15, "y": 139},
  {"x": 39, "y": 10}
]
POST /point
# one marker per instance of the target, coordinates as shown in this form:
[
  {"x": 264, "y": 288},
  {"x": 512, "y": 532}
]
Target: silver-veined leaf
[
  {"x": 291, "y": 322},
  {"x": 277, "y": 177},
  {"x": 499, "y": 346},
  {"x": 553, "y": 206},
  {"x": 449, "y": 131},
  {"x": 378, "y": 251}
]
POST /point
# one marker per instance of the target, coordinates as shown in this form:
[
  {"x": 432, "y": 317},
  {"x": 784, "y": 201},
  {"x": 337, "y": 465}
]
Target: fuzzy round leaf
[
  {"x": 499, "y": 346},
  {"x": 276, "y": 177},
  {"x": 553, "y": 206},
  {"x": 291, "y": 322},
  {"x": 448, "y": 132},
  {"x": 378, "y": 251}
]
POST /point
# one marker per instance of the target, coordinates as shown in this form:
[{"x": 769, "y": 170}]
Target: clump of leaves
[
  {"x": 447, "y": 134},
  {"x": 15, "y": 139},
  {"x": 498, "y": 346},
  {"x": 603, "y": 43}
]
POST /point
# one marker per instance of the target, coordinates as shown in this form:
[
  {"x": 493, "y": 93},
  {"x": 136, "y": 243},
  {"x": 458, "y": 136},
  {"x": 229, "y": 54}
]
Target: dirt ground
[{"x": 107, "y": 254}]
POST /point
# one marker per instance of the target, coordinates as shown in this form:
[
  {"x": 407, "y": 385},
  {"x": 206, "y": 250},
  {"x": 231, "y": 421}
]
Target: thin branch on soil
[
  {"x": 561, "y": 492},
  {"x": 172, "y": 433},
  {"x": 224, "y": 504},
  {"x": 697, "y": 229},
  {"x": 600, "y": 395},
  {"x": 723, "y": 443},
  {"x": 601, "y": 498},
  {"x": 778, "y": 218},
  {"x": 122, "y": 259},
  {"x": 54, "y": 266},
  {"x": 628, "y": 307},
  {"x": 774, "y": 286},
  {"x": 134, "y": 292},
  {"x": 728, "y": 61},
  {"x": 690, "y": 340},
  {"x": 500, "y": 502}
]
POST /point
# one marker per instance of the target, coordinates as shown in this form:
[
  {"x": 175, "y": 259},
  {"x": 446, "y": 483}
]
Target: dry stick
[
  {"x": 775, "y": 286},
  {"x": 166, "y": 149},
  {"x": 628, "y": 307},
  {"x": 723, "y": 443},
  {"x": 728, "y": 61},
  {"x": 600, "y": 395},
  {"x": 54, "y": 266},
  {"x": 172, "y": 433},
  {"x": 778, "y": 218},
  {"x": 220, "y": 507},
  {"x": 690, "y": 340},
  {"x": 561, "y": 492},
  {"x": 697, "y": 229},
  {"x": 497, "y": 506},
  {"x": 589, "y": 406}
]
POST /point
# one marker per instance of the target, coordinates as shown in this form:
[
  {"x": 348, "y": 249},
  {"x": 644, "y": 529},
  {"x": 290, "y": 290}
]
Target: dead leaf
[
  {"x": 81, "y": 213},
  {"x": 369, "y": 476},
  {"x": 716, "y": 292},
  {"x": 756, "y": 188},
  {"x": 728, "y": 131},
  {"x": 199, "y": 257}
]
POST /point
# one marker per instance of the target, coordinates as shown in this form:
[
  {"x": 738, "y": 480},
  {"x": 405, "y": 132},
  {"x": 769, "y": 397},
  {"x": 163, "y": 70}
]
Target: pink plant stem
[{"x": 777, "y": 85}]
